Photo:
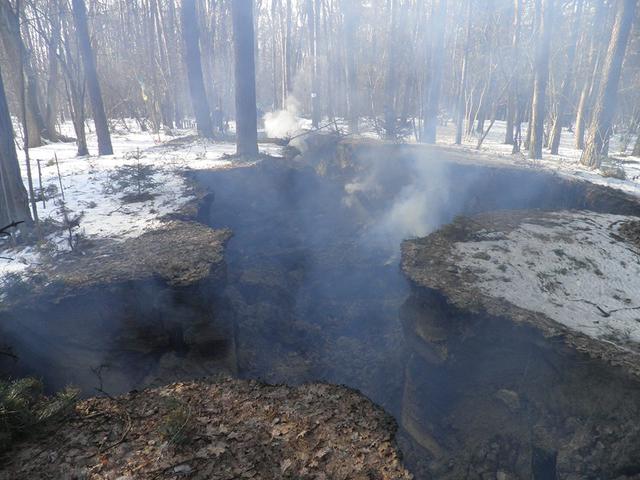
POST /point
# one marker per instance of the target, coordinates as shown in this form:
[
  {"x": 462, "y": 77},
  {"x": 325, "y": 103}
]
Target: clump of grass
[
  {"x": 175, "y": 424},
  {"x": 24, "y": 408}
]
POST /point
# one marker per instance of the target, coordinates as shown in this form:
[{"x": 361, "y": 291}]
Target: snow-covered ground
[
  {"x": 566, "y": 163},
  {"x": 568, "y": 267},
  {"x": 93, "y": 186}
]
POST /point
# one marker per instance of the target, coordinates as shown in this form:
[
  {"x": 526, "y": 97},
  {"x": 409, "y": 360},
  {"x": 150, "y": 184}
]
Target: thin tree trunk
[
  {"x": 91, "y": 74},
  {"x": 391, "y": 79},
  {"x": 52, "y": 82},
  {"x": 541, "y": 78},
  {"x": 597, "y": 146},
  {"x": 191, "y": 35},
  {"x": 350, "y": 26},
  {"x": 245, "y": 78},
  {"x": 313, "y": 14},
  {"x": 512, "y": 103},
  {"x": 287, "y": 51},
  {"x": 437, "y": 62},
  {"x": 460, "y": 111},
  {"x": 565, "y": 89}
]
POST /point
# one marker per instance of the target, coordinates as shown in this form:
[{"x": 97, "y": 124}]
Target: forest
[{"x": 320, "y": 239}]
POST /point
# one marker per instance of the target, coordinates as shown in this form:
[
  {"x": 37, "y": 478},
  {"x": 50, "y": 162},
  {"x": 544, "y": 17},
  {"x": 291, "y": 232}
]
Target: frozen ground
[
  {"x": 98, "y": 191},
  {"x": 566, "y": 163},
  {"x": 572, "y": 267}
]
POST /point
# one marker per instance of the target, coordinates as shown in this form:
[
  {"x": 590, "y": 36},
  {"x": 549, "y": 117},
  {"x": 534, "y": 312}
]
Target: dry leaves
[{"x": 238, "y": 429}]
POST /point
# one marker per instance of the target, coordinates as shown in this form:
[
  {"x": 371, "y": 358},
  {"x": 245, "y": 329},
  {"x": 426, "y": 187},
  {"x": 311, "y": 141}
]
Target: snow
[
  {"x": 89, "y": 184},
  {"x": 566, "y": 163},
  {"x": 570, "y": 268}
]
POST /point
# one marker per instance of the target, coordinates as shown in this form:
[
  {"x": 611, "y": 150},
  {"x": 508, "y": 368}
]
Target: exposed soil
[
  {"x": 123, "y": 315},
  {"x": 225, "y": 430},
  {"x": 432, "y": 263},
  {"x": 493, "y": 390}
]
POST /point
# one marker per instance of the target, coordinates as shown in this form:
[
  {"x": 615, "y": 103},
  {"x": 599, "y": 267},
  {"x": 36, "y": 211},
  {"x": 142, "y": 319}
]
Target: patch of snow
[
  {"x": 88, "y": 184},
  {"x": 571, "y": 269},
  {"x": 566, "y": 163}
]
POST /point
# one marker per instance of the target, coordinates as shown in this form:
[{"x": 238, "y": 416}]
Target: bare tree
[
  {"x": 14, "y": 203},
  {"x": 191, "y": 35},
  {"x": 541, "y": 78},
  {"x": 513, "y": 103},
  {"x": 245, "y": 76},
  {"x": 350, "y": 27},
  {"x": 18, "y": 57},
  {"x": 597, "y": 145},
  {"x": 91, "y": 75},
  {"x": 462, "y": 89},
  {"x": 436, "y": 57},
  {"x": 565, "y": 88}
]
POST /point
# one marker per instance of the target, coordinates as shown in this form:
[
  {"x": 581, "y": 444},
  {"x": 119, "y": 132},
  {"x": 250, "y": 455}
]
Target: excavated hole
[{"x": 314, "y": 287}]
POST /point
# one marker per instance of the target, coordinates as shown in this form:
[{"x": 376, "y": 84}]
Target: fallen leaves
[{"x": 240, "y": 429}]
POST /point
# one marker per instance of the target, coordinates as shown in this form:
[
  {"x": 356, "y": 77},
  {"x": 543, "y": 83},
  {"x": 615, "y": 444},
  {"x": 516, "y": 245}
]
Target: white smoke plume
[
  {"x": 414, "y": 211},
  {"x": 284, "y": 123}
]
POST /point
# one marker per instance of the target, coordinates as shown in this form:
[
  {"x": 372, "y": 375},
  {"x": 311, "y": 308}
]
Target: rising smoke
[
  {"x": 284, "y": 123},
  {"x": 414, "y": 209}
]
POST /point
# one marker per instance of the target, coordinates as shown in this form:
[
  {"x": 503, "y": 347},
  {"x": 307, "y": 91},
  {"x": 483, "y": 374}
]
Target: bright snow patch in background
[{"x": 564, "y": 269}]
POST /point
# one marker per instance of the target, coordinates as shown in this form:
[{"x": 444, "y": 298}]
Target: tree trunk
[
  {"x": 245, "y": 78},
  {"x": 512, "y": 103},
  {"x": 16, "y": 56},
  {"x": 313, "y": 13},
  {"x": 288, "y": 72},
  {"x": 14, "y": 202},
  {"x": 391, "y": 79},
  {"x": 350, "y": 27},
  {"x": 191, "y": 36},
  {"x": 597, "y": 145},
  {"x": 541, "y": 77},
  {"x": 52, "y": 82},
  {"x": 591, "y": 81},
  {"x": 565, "y": 89},
  {"x": 636, "y": 147},
  {"x": 91, "y": 75},
  {"x": 437, "y": 56},
  {"x": 460, "y": 110}
]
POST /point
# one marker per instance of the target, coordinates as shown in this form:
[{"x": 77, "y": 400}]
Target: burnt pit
[
  {"x": 314, "y": 286},
  {"x": 309, "y": 288}
]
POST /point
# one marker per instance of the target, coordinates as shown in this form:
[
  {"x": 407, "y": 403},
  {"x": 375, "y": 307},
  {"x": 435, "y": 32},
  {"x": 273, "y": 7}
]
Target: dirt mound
[{"x": 228, "y": 429}]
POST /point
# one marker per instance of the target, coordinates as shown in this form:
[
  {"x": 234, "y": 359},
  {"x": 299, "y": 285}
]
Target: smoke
[
  {"x": 415, "y": 207},
  {"x": 284, "y": 123}
]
